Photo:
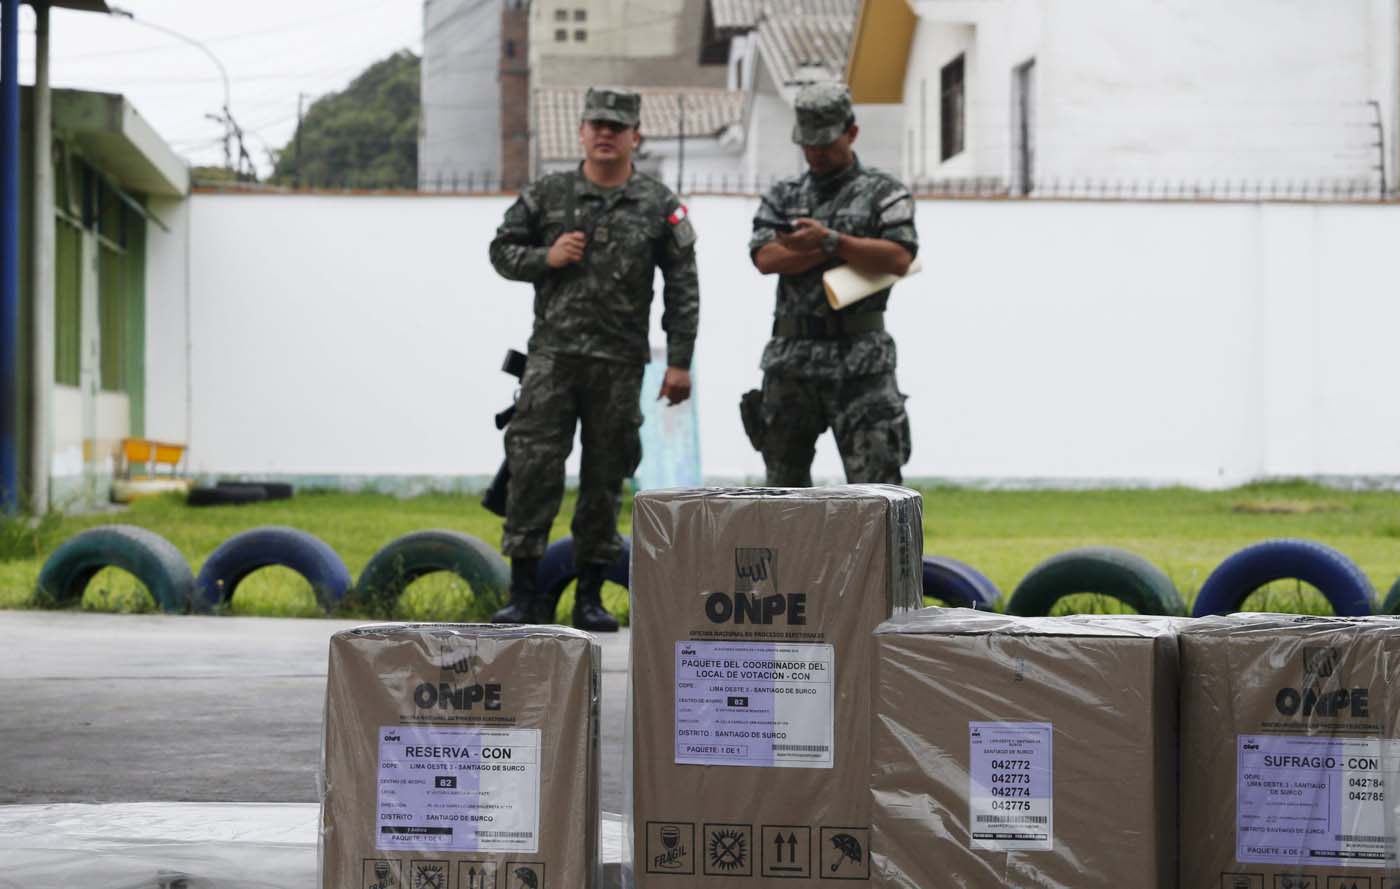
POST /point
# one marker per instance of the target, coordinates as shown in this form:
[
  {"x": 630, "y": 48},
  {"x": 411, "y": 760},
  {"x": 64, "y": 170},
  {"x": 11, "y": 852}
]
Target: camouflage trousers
[
  {"x": 557, "y": 392},
  {"x": 865, "y": 413}
]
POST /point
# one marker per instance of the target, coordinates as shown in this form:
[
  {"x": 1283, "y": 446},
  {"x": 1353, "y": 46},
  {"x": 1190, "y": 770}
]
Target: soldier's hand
[
  {"x": 675, "y": 388},
  {"x": 567, "y": 250},
  {"x": 808, "y": 237}
]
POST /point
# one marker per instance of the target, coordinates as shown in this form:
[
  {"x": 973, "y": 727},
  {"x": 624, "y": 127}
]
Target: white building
[
  {"x": 459, "y": 129},
  {"x": 1035, "y": 95},
  {"x": 777, "y": 46}
]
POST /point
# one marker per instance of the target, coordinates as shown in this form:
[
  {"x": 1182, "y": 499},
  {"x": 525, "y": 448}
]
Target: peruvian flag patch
[{"x": 679, "y": 216}]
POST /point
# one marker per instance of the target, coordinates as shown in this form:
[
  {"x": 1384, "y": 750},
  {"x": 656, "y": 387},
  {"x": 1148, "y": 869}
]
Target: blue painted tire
[
  {"x": 959, "y": 584},
  {"x": 242, "y": 554},
  {"x": 1333, "y": 574},
  {"x": 557, "y": 569},
  {"x": 152, "y": 559}
]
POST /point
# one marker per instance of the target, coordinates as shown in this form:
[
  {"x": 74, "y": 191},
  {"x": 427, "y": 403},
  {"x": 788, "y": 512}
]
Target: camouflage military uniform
[
  {"x": 589, "y": 346},
  {"x": 827, "y": 368}
]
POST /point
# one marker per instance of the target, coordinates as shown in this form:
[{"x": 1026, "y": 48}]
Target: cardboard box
[
  {"x": 1025, "y": 752},
  {"x": 461, "y": 756},
  {"x": 1289, "y": 752},
  {"x": 752, "y": 657}
]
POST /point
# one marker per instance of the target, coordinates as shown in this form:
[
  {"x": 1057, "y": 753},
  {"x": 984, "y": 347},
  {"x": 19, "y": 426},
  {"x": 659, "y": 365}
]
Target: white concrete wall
[
  {"x": 167, "y": 321},
  {"x": 1162, "y": 89},
  {"x": 1061, "y": 342}
]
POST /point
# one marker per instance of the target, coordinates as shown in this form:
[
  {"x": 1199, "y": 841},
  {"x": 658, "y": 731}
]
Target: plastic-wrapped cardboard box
[
  {"x": 461, "y": 756},
  {"x": 1289, "y": 735},
  {"x": 752, "y": 614},
  {"x": 1025, "y": 752}
]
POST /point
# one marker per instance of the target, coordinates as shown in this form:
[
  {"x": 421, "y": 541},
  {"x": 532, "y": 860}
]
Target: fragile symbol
[
  {"x": 848, "y": 846},
  {"x": 727, "y": 849}
]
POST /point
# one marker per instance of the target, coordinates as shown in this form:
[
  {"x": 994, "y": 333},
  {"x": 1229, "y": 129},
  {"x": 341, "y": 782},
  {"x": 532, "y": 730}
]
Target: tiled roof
[
  {"x": 735, "y": 15},
  {"x": 707, "y": 113},
  {"x": 802, "y": 46}
]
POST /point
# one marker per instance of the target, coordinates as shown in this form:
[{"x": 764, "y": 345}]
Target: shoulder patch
[{"x": 682, "y": 232}]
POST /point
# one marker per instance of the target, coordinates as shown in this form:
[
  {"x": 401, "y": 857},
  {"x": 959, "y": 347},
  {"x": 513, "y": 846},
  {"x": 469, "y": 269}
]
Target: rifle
[{"x": 495, "y": 497}]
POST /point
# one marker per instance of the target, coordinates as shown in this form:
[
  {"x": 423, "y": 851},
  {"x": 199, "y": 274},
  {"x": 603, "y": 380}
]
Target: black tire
[
  {"x": 226, "y": 496},
  {"x": 1343, "y": 584},
  {"x": 273, "y": 490},
  {"x": 1105, "y": 570},
  {"x": 959, "y": 584},
  {"x": 245, "y": 553},
  {"x": 151, "y": 558},
  {"x": 412, "y": 556}
]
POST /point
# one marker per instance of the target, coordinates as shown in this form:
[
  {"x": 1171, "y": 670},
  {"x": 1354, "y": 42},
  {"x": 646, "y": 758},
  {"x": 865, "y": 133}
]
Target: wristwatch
[{"x": 831, "y": 242}]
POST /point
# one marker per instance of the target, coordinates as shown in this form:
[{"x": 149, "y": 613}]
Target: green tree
[{"x": 365, "y": 136}]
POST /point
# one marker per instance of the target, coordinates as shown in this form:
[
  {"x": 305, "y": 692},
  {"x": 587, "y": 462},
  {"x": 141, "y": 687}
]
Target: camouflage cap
[
  {"x": 616, "y": 105},
  {"x": 823, "y": 110}
]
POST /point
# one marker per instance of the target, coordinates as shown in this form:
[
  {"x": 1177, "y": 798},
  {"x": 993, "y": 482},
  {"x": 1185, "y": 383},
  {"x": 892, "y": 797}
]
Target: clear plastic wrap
[
  {"x": 1025, "y": 752},
  {"x": 752, "y": 656},
  {"x": 158, "y": 846},
  {"x": 1289, "y": 743},
  {"x": 462, "y": 756},
  {"x": 182, "y": 846}
]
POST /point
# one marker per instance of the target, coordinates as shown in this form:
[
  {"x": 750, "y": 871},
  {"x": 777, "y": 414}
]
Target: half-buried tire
[
  {"x": 958, "y": 584},
  {"x": 226, "y": 495},
  {"x": 1334, "y": 575},
  {"x": 242, "y": 554},
  {"x": 1392, "y": 599},
  {"x": 152, "y": 559},
  {"x": 1104, "y": 570},
  {"x": 402, "y": 561}
]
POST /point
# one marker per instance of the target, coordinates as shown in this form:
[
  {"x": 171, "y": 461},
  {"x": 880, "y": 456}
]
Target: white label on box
[
  {"x": 1012, "y": 793},
  {"x": 1316, "y": 801},
  {"x": 754, "y": 704},
  {"x": 458, "y": 789}
]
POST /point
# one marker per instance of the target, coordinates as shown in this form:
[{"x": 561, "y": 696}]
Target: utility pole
[{"x": 296, "y": 166}]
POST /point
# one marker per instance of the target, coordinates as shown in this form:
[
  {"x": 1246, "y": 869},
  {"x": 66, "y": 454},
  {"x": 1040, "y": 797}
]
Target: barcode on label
[
  {"x": 801, "y": 748},
  {"x": 1362, "y": 838},
  {"x": 1012, "y": 819},
  {"x": 506, "y": 834}
]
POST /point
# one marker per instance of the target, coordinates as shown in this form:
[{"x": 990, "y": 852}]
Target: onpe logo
[
  {"x": 755, "y": 566},
  {"x": 1320, "y": 662}
]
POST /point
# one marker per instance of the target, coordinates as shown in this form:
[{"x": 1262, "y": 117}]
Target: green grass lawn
[{"x": 1003, "y": 533}]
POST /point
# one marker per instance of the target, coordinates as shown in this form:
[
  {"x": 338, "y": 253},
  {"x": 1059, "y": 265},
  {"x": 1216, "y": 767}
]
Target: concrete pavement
[{"x": 138, "y": 708}]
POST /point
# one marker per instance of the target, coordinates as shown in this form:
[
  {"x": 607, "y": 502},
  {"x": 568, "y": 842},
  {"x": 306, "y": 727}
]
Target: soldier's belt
[{"x": 830, "y": 327}]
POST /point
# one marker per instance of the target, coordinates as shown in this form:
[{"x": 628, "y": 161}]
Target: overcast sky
[{"x": 273, "y": 50}]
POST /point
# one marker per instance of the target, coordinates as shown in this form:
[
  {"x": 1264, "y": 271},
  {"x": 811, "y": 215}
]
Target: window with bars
[
  {"x": 561, "y": 35},
  {"x": 580, "y": 36}
]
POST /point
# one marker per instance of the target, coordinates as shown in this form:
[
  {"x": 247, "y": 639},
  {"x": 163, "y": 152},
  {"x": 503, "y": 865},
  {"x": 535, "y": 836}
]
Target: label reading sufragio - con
[
  {"x": 458, "y": 789},
  {"x": 1316, "y": 800},
  {"x": 1011, "y": 797},
  {"x": 754, "y": 704}
]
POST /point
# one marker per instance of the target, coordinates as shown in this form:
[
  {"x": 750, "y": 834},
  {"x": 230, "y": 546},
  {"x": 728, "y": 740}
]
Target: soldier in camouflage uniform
[
  {"x": 590, "y": 241},
  {"x": 826, "y": 368}
]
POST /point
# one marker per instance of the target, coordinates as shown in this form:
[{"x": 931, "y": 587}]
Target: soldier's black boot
[
  {"x": 524, "y": 604},
  {"x": 589, "y": 613}
]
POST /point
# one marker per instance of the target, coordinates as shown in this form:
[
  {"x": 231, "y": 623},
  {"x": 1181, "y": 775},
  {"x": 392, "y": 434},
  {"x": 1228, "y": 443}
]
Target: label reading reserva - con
[
  {"x": 1011, "y": 797},
  {"x": 458, "y": 789},
  {"x": 1316, "y": 800},
  {"x": 754, "y": 704}
]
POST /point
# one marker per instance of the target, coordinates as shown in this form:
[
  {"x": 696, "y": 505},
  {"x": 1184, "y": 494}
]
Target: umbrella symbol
[
  {"x": 848, "y": 846},
  {"x": 527, "y": 878}
]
